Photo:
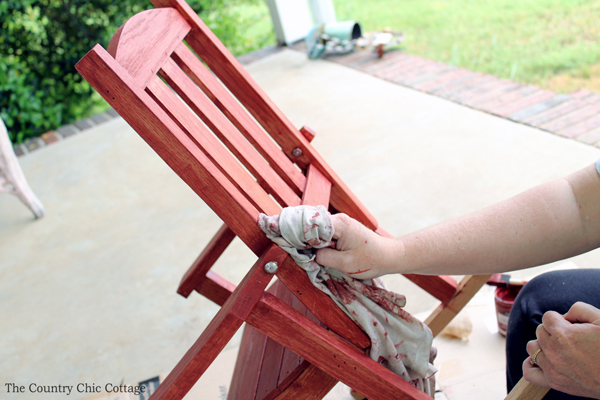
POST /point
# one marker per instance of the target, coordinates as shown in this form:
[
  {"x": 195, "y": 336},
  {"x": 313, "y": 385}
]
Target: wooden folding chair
[{"x": 216, "y": 128}]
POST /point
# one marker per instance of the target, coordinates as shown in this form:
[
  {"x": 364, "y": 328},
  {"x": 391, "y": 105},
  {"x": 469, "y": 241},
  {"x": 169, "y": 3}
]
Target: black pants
[{"x": 553, "y": 291}]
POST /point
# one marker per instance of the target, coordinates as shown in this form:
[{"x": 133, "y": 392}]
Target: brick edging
[{"x": 574, "y": 116}]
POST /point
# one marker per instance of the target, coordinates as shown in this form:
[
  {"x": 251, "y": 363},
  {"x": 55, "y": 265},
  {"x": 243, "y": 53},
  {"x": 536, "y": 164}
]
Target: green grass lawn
[
  {"x": 554, "y": 44},
  {"x": 551, "y": 43}
]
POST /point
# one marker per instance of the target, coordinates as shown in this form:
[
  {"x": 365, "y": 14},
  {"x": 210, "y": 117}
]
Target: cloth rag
[{"x": 399, "y": 341}]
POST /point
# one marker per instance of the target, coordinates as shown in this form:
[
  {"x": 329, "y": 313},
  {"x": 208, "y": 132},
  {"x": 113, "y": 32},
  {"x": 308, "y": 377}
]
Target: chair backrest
[{"x": 208, "y": 119}]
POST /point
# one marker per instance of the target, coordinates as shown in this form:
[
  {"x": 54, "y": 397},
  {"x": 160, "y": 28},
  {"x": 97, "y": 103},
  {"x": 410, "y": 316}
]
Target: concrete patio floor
[{"x": 88, "y": 292}]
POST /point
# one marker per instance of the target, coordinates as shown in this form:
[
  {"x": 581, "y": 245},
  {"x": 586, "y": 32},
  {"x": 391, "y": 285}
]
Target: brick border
[
  {"x": 63, "y": 132},
  {"x": 574, "y": 115},
  {"x": 81, "y": 126}
]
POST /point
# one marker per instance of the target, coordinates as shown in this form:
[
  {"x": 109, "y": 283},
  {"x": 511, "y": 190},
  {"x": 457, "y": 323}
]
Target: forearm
[{"x": 551, "y": 222}]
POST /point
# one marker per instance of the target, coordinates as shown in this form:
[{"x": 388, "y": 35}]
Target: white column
[
  {"x": 322, "y": 11},
  {"x": 292, "y": 19}
]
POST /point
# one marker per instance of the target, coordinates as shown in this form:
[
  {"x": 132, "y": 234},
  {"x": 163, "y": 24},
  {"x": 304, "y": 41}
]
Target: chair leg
[
  {"x": 211, "y": 253},
  {"x": 444, "y": 313},
  {"x": 220, "y": 330}
]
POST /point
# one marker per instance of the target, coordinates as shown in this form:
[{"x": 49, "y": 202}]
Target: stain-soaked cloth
[{"x": 399, "y": 341}]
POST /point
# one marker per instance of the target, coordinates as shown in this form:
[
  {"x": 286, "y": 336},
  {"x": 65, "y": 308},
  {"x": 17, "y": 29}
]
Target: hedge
[{"x": 42, "y": 40}]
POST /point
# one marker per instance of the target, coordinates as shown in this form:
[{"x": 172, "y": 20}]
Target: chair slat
[
  {"x": 291, "y": 362},
  {"x": 227, "y": 133},
  {"x": 206, "y": 141},
  {"x": 142, "y": 43},
  {"x": 184, "y": 157},
  {"x": 247, "y": 91},
  {"x": 248, "y": 365},
  {"x": 318, "y": 188},
  {"x": 269, "y": 372},
  {"x": 223, "y": 99},
  {"x": 313, "y": 383}
]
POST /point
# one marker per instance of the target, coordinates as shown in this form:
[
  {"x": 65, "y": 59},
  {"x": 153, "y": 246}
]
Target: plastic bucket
[
  {"x": 505, "y": 299},
  {"x": 346, "y": 30}
]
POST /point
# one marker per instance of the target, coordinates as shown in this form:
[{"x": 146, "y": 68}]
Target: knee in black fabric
[
  {"x": 543, "y": 293},
  {"x": 552, "y": 291}
]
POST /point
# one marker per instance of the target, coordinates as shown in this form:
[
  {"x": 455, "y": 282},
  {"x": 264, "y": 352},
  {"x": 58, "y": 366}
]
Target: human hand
[
  {"x": 359, "y": 252},
  {"x": 570, "y": 358}
]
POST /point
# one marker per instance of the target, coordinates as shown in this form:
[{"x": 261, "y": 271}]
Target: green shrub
[{"x": 42, "y": 40}]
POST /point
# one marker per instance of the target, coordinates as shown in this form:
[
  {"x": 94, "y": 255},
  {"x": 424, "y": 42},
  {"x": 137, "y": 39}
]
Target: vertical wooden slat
[
  {"x": 290, "y": 361},
  {"x": 318, "y": 188},
  {"x": 312, "y": 384},
  {"x": 248, "y": 365},
  {"x": 272, "y": 357}
]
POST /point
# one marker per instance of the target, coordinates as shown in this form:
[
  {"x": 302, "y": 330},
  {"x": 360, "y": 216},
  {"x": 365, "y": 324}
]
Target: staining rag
[{"x": 399, "y": 341}]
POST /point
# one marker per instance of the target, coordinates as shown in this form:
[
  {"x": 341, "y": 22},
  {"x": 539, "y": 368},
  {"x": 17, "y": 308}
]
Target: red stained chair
[{"x": 176, "y": 84}]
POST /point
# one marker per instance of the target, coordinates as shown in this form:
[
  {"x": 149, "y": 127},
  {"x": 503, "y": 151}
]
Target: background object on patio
[{"x": 12, "y": 179}]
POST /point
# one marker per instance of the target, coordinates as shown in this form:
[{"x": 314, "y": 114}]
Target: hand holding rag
[{"x": 399, "y": 341}]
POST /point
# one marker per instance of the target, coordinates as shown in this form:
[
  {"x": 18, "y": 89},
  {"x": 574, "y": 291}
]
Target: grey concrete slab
[{"x": 88, "y": 292}]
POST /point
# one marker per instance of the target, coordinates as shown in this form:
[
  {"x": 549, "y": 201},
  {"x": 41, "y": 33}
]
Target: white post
[
  {"x": 291, "y": 19},
  {"x": 322, "y": 11}
]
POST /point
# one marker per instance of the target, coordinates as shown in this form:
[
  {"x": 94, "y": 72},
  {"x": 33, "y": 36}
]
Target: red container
[{"x": 505, "y": 298}]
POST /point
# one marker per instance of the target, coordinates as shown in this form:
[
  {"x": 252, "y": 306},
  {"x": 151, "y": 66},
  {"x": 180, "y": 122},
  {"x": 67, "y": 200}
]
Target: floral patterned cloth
[{"x": 398, "y": 340}]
